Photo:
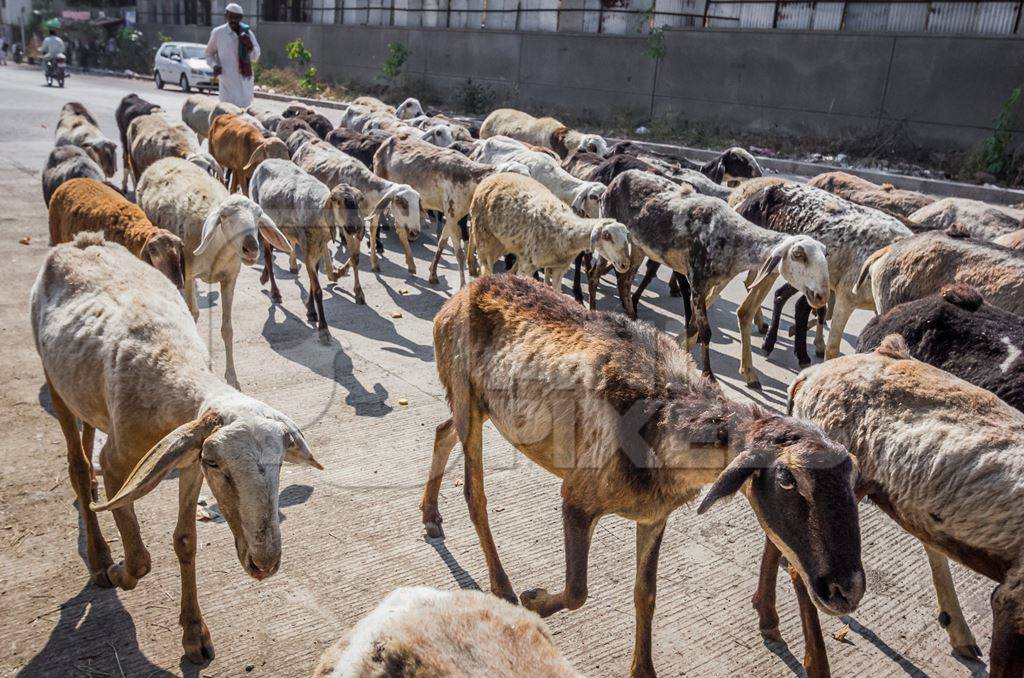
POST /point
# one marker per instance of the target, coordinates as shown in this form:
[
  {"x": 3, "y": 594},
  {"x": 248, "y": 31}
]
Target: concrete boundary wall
[{"x": 945, "y": 89}]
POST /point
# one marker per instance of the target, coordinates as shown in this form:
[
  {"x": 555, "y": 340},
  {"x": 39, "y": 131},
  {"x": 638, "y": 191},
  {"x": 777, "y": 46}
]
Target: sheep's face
[
  {"x": 611, "y": 240},
  {"x": 405, "y": 207},
  {"x": 592, "y": 143},
  {"x": 800, "y": 485},
  {"x": 805, "y": 267},
  {"x": 588, "y": 200},
  {"x": 165, "y": 252},
  {"x": 206, "y": 162},
  {"x": 104, "y": 152},
  {"x": 241, "y": 461},
  {"x": 737, "y": 165},
  {"x": 409, "y": 109},
  {"x": 441, "y": 135},
  {"x": 343, "y": 203}
]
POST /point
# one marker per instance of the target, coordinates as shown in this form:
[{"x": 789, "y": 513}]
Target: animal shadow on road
[{"x": 909, "y": 667}]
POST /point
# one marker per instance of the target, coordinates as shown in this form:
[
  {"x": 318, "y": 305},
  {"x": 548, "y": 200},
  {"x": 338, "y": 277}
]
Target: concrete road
[{"x": 352, "y": 532}]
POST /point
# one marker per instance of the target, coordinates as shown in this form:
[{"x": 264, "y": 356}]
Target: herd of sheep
[{"x": 925, "y": 420}]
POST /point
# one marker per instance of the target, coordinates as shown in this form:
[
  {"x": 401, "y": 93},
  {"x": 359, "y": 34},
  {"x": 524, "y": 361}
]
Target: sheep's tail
[
  {"x": 89, "y": 239},
  {"x": 865, "y": 269}
]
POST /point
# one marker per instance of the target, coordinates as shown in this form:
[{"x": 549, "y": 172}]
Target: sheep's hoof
[
  {"x": 375, "y": 268},
  {"x": 275, "y": 298},
  {"x": 803, "y": 362},
  {"x": 674, "y": 292},
  {"x": 820, "y": 352},
  {"x": 535, "y": 600},
  {"x": 196, "y": 641},
  {"x": 968, "y": 651},
  {"x": 755, "y": 385},
  {"x": 264, "y": 276},
  {"x": 360, "y": 299},
  {"x": 432, "y": 530},
  {"x": 312, "y": 317},
  {"x": 433, "y": 279},
  {"x": 772, "y": 635},
  {"x": 102, "y": 579},
  {"x": 294, "y": 270},
  {"x": 119, "y": 576},
  {"x": 762, "y": 328}
]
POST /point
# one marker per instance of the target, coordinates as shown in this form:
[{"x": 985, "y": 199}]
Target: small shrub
[
  {"x": 398, "y": 54},
  {"x": 298, "y": 53},
  {"x": 474, "y": 98}
]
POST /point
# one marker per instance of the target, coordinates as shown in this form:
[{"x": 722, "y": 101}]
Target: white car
[{"x": 183, "y": 64}]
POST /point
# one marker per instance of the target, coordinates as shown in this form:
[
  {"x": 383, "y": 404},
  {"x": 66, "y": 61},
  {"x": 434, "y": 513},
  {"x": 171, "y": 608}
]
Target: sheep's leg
[
  {"x": 466, "y": 228},
  {"x": 819, "y": 337},
  {"x": 293, "y": 262},
  {"x": 403, "y": 237},
  {"x": 649, "y": 275},
  {"x": 623, "y": 281},
  {"x": 801, "y": 316},
  {"x": 190, "y": 296},
  {"x": 759, "y": 323},
  {"x": 685, "y": 293},
  {"x": 745, "y": 315},
  {"x": 374, "y": 229},
  {"x": 598, "y": 267},
  {"x": 137, "y": 562},
  {"x": 556, "y": 274},
  {"x": 815, "y": 655},
  {"x": 444, "y": 440},
  {"x": 472, "y": 444},
  {"x": 577, "y": 288},
  {"x": 676, "y": 286},
  {"x": 772, "y": 335},
  {"x": 764, "y": 598},
  {"x": 1006, "y": 656},
  {"x": 82, "y": 480},
  {"x": 840, "y": 315},
  {"x": 703, "y": 325},
  {"x": 441, "y": 242},
  {"x": 645, "y": 588},
  {"x": 578, "y": 527},
  {"x": 352, "y": 242},
  {"x": 951, "y": 616},
  {"x": 460, "y": 255},
  {"x": 88, "y": 435},
  {"x": 268, "y": 272},
  {"x": 195, "y": 638},
  {"x": 227, "y": 332},
  {"x": 316, "y": 295}
]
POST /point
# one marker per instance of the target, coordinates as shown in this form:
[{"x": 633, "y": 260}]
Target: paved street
[{"x": 351, "y": 533}]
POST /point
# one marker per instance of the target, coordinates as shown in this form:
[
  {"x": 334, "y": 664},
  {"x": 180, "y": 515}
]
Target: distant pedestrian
[
  {"x": 83, "y": 55},
  {"x": 231, "y": 52},
  {"x": 3, "y": 51}
]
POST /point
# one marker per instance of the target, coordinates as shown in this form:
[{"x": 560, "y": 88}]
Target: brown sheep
[
  {"x": 154, "y": 137},
  {"x": 81, "y": 205},
  {"x": 240, "y": 147},
  {"x": 886, "y": 198}
]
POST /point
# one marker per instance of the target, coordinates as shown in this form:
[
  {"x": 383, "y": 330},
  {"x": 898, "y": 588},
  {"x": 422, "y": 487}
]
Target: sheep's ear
[
  {"x": 272, "y": 234},
  {"x": 595, "y": 235},
  {"x": 177, "y": 449},
  {"x": 209, "y": 228},
  {"x": 771, "y": 263},
  {"x": 296, "y": 450},
  {"x": 730, "y": 480},
  {"x": 580, "y": 198},
  {"x": 791, "y": 392}
]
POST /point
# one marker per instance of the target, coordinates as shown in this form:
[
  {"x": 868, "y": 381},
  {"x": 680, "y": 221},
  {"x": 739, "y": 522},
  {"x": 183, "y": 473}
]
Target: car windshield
[{"x": 194, "y": 51}]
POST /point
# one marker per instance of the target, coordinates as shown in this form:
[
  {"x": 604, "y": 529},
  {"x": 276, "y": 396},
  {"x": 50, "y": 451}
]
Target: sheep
[
  {"x": 409, "y": 109},
  {"x": 219, "y": 231},
  {"x": 373, "y": 104},
  {"x": 584, "y": 196},
  {"x": 81, "y": 205},
  {"x": 239, "y": 147},
  {"x": 289, "y": 126},
  {"x": 515, "y": 214},
  {"x": 955, "y": 330},
  {"x": 982, "y": 220},
  {"x": 77, "y": 127},
  {"x": 295, "y": 108},
  {"x": 269, "y": 119},
  {"x": 1014, "y": 240},
  {"x": 195, "y": 113},
  {"x": 702, "y": 238},
  {"x": 731, "y": 166},
  {"x": 154, "y": 137},
  {"x": 643, "y": 432},
  {"x": 131, "y": 107},
  {"x": 849, "y": 232},
  {"x": 426, "y": 122},
  {"x": 121, "y": 354},
  {"x": 886, "y": 198},
  {"x": 308, "y": 212},
  {"x": 333, "y": 167},
  {"x": 357, "y": 144},
  {"x": 470, "y": 634},
  {"x": 922, "y": 265},
  {"x": 68, "y": 162},
  {"x": 943, "y": 458},
  {"x": 316, "y": 122},
  {"x": 298, "y": 139},
  {"x": 445, "y": 181},
  {"x": 541, "y": 132}
]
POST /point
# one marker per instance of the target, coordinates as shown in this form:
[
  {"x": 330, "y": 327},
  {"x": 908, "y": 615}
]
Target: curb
[{"x": 326, "y": 103}]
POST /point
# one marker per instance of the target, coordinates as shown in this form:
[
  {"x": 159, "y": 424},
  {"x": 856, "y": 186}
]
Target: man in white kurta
[{"x": 222, "y": 53}]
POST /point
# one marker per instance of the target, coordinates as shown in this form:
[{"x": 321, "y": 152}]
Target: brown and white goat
[{"x": 622, "y": 415}]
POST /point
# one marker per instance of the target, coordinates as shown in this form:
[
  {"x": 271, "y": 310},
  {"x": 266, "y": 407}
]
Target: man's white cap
[{"x": 234, "y": 8}]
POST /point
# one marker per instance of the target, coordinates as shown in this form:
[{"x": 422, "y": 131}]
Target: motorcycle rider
[{"x": 51, "y": 48}]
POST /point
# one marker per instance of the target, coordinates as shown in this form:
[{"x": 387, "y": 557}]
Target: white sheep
[
  {"x": 332, "y": 167},
  {"x": 219, "y": 231},
  {"x": 195, "y": 113},
  {"x": 547, "y": 132},
  {"x": 154, "y": 137},
  {"x": 121, "y": 354},
  {"x": 309, "y": 213},
  {"x": 77, "y": 127},
  {"x": 515, "y": 214},
  {"x": 422, "y": 631},
  {"x": 981, "y": 219},
  {"x": 409, "y": 109}
]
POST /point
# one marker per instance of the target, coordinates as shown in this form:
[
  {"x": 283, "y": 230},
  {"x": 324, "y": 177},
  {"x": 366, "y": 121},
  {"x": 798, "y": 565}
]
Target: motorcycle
[
  {"x": 56, "y": 69},
  {"x": 19, "y": 53}
]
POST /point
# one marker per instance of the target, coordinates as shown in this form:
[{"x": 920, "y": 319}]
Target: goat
[
  {"x": 309, "y": 213},
  {"x": 885, "y": 198},
  {"x": 471, "y": 634},
  {"x": 82, "y": 205},
  {"x": 77, "y": 127},
  {"x": 922, "y": 265},
  {"x": 546, "y": 132},
  {"x": 121, "y": 354},
  {"x": 644, "y": 433},
  {"x": 941, "y": 457},
  {"x": 239, "y": 147},
  {"x": 514, "y": 214},
  {"x": 956, "y": 331},
  {"x": 444, "y": 180},
  {"x": 68, "y": 162},
  {"x": 711, "y": 244},
  {"x": 850, "y": 234},
  {"x": 154, "y": 137},
  {"x": 333, "y": 167},
  {"x": 219, "y": 231},
  {"x": 980, "y": 219},
  {"x": 131, "y": 107}
]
